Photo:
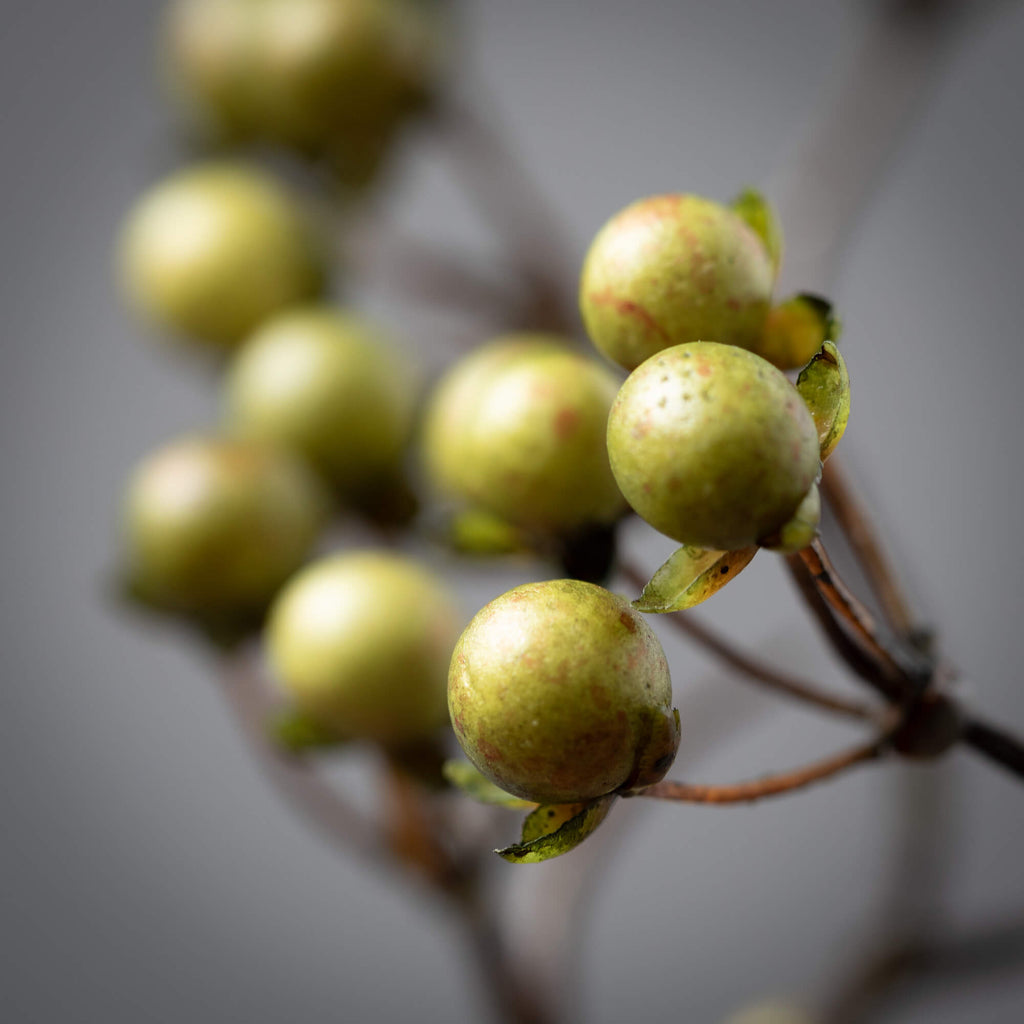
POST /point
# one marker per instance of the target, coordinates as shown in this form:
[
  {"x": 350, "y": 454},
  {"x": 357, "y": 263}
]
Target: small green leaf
[
  {"x": 552, "y": 830},
  {"x": 824, "y": 385},
  {"x": 464, "y": 776},
  {"x": 476, "y": 531},
  {"x": 298, "y": 733},
  {"x": 801, "y": 529},
  {"x": 759, "y": 215},
  {"x": 795, "y": 330},
  {"x": 691, "y": 576}
]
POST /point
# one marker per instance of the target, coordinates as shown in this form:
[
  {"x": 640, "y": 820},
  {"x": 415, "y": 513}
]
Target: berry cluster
[{"x": 559, "y": 691}]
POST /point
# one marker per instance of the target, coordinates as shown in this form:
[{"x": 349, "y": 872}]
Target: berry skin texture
[
  {"x": 517, "y": 427},
  {"x": 361, "y": 643},
  {"x": 559, "y": 692},
  {"x": 215, "y": 526},
  {"x": 672, "y": 269},
  {"x": 329, "y": 387},
  {"x": 214, "y": 250},
  {"x": 712, "y": 445}
]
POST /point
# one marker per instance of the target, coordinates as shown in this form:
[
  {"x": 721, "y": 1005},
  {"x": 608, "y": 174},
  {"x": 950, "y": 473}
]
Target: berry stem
[
  {"x": 754, "y": 670},
  {"x": 771, "y": 785}
]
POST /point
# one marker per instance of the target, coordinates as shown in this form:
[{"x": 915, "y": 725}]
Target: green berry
[
  {"x": 335, "y": 68},
  {"x": 329, "y": 386},
  {"x": 517, "y": 427},
  {"x": 215, "y": 526},
  {"x": 672, "y": 269},
  {"x": 559, "y": 692},
  {"x": 361, "y": 643},
  {"x": 712, "y": 445},
  {"x": 214, "y": 250},
  {"x": 210, "y": 57}
]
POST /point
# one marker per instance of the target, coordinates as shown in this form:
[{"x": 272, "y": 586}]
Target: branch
[
  {"x": 853, "y": 518},
  {"x": 509, "y": 198},
  {"x": 344, "y": 827},
  {"x": 996, "y": 744},
  {"x": 896, "y": 673},
  {"x": 751, "y": 668},
  {"x": 771, "y": 785}
]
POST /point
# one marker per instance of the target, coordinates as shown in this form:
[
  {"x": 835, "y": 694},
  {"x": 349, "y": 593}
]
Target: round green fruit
[
  {"x": 517, "y": 427},
  {"x": 559, "y": 692},
  {"x": 214, "y": 250},
  {"x": 330, "y": 387},
  {"x": 361, "y": 643},
  {"x": 216, "y": 526},
  {"x": 712, "y": 445},
  {"x": 210, "y": 56},
  {"x": 672, "y": 269},
  {"x": 338, "y": 68}
]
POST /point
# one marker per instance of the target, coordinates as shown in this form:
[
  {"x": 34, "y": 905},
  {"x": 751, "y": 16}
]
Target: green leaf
[
  {"x": 464, "y": 776},
  {"x": 476, "y": 531},
  {"x": 552, "y": 830},
  {"x": 691, "y": 576},
  {"x": 824, "y": 385},
  {"x": 297, "y": 732},
  {"x": 796, "y": 328},
  {"x": 759, "y": 215}
]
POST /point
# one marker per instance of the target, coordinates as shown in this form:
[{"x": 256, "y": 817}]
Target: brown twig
[
  {"x": 749, "y": 667},
  {"x": 507, "y": 196},
  {"x": 853, "y": 519},
  {"x": 410, "y": 842},
  {"x": 892, "y": 665},
  {"x": 322, "y": 807},
  {"x": 771, "y": 785},
  {"x": 996, "y": 744}
]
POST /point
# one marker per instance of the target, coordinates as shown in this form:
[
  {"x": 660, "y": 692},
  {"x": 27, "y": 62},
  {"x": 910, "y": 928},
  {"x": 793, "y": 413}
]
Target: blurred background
[{"x": 150, "y": 873}]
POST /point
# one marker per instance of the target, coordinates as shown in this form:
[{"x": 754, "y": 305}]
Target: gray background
[{"x": 148, "y": 873}]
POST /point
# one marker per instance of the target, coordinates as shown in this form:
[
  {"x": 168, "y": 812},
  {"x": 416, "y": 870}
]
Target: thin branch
[
  {"x": 892, "y": 664},
  {"x": 510, "y": 199},
  {"x": 431, "y": 273},
  {"x": 322, "y": 807},
  {"x": 857, "y": 131},
  {"x": 751, "y": 668},
  {"x": 855, "y": 658},
  {"x": 996, "y": 744},
  {"x": 855, "y": 522},
  {"x": 914, "y": 963},
  {"x": 771, "y": 785}
]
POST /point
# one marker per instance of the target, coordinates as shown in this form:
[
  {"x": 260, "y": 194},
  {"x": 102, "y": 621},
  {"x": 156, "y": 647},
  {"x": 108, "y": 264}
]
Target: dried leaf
[
  {"x": 691, "y": 576},
  {"x": 552, "y": 830}
]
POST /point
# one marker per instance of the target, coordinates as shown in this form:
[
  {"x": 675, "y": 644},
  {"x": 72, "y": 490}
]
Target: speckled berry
[
  {"x": 517, "y": 427},
  {"x": 329, "y": 386},
  {"x": 361, "y": 643},
  {"x": 712, "y": 445},
  {"x": 672, "y": 269},
  {"x": 560, "y": 692},
  {"x": 214, "y": 250},
  {"x": 216, "y": 526}
]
